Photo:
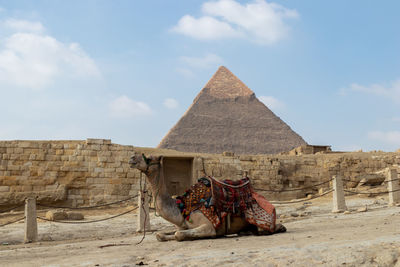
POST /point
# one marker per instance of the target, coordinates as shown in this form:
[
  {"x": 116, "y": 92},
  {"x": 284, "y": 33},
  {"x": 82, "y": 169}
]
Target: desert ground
[{"x": 367, "y": 235}]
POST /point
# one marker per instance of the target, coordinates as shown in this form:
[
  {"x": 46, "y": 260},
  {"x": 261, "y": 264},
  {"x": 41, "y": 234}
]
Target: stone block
[
  {"x": 55, "y": 215},
  {"x": 75, "y": 216},
  {"x": 4, "y": 189}
]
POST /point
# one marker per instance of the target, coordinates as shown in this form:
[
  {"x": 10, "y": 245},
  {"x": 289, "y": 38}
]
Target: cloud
[
  {"x": 208, "y": 61},
  {"x": 171, "y": 103},
  {"x": 391, "y": 137},
  {"x": 391, "y": 90},
  {"x": 124, "y": 107},
  {"x": 205, "y": 28},
  {"x": 23, "y": 25},
  {"x": 31, "y": 59},
  {"x": 271, "y": 102},
  {"x": 258, "y": 21}
]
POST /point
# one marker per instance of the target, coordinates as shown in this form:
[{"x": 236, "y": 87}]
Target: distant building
[{"x": 227, "y": 116}]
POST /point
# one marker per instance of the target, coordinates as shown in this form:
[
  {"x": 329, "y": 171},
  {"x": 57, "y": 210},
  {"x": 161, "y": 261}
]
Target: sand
[{"x": 315, "y": 237}]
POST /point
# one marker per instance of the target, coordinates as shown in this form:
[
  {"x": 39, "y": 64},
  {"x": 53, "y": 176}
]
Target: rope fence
[
  {"x": 10, "y": 209},
  {"x": 93, "y": 221},
  {"x": 294, "y": 189},
  {"x": 370, "y": 193},
  {"x": 88, "y": 207},
  {"x": 301, "y": 200},
  {"x": 15, "y": 221}
]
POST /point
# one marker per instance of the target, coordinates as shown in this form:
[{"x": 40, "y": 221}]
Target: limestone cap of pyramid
[{"x": 224, "y": 84}]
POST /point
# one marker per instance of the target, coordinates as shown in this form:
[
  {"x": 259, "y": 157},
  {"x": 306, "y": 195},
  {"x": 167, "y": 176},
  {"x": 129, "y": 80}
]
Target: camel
[{"x": 198, "y": 226}]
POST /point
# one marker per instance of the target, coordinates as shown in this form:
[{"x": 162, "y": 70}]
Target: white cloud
[
  {"x": 391, "y": 90},
  {"x": 258, "y": 21},
  {"x": 271, "y": 102},
  {"x": 391, "y": 137},
  {"x": 171, "y": 103},
  {"x": 34, "y": 60},
  {"x": 208, "y": 61},
  {"x": 124, "y": 107},
  {"x": 205, "y": 28},
  {"x": 23, "y": 25}
]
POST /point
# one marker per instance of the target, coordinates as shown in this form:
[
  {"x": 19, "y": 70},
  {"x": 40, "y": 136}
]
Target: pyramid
[{"x": 227, "y": 116}]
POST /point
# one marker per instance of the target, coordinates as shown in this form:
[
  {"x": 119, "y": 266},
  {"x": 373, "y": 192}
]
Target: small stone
[
  {"x": 76, "y": 216},
  {"x": 346, "y": 212},
  {"x": 55, "y": 215},
  {"x": 362, "y": 209},
  {"x": 294, "y": 214}
]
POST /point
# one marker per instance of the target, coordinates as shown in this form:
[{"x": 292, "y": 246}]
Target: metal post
[
  {"x": 339, "y": 203},
  {"x": 393, "y": 187},
  {"x": 144, "y": 214},
  {"x": 31, "y": 231}
]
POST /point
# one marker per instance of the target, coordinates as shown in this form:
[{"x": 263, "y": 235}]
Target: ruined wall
[
  {"x": 74, "y": 172},
  {"x": 96, "y": 171}
]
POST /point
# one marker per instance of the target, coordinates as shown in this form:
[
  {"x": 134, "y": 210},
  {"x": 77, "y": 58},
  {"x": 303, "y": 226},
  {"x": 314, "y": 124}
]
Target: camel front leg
[
  {"x": 202, "y": 231},
  {"x": 165, "y": 236}
]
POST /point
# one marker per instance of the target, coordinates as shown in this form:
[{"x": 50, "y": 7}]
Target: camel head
[{"x": 143, "y": 163}]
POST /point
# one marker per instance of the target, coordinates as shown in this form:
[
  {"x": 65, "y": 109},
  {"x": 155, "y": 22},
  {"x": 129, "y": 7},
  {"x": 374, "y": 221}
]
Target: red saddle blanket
[{"x": 216, "y": 199}]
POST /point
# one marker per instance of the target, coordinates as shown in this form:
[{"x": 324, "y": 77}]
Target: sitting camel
[{"x": 194, "y": 225}]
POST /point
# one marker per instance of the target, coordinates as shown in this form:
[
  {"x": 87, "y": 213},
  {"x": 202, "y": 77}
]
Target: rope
[
  {"x": 10, "y": 209},
  {"x": 301, "y": 200},
  {"x": 100, "y": 220},
  {"x": 294, "y": 189},
  {"x": 228, "y": 185},
  {"x": 87, "y": 207},
  {"x": 143, "y": 198},
  {"x": 386, "y": 181},
  {"x": 366, "y": 193},
  {"x": 1, "y": 225},
  {"x": 397, "y": 179}
]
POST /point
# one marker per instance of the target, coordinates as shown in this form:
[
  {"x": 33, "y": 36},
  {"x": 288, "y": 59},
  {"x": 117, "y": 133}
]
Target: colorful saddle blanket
[{"x": 217, "y": 199}]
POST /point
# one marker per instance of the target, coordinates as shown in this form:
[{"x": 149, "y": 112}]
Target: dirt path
[{"x": 315, "y": 237}]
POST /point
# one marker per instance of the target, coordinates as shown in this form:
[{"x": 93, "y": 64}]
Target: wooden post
[
  {"x": 394, "y": 197},
  {"x": 339, "y": 203},
  {"x": 144, "y": 214},
  {"x": 31, "y": 231}
]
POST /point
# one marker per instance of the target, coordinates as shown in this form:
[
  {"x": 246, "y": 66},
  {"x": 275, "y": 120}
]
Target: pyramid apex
[{"x": 224, "y": 84}]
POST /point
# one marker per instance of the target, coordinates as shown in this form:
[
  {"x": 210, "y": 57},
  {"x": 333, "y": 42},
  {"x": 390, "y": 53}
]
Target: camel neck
[{"x": 165, "y": 204}]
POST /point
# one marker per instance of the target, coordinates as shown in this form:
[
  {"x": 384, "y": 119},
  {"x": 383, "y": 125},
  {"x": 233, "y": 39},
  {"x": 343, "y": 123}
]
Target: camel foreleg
[
  {"x": 202, "y": 231},
  {"x": 165, "y": 236}
]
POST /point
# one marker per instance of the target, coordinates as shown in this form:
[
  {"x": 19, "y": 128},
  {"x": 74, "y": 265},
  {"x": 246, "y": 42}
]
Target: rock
[
  {"x": 362, "y": 209},
  {"x": 372, "y": 179},
  {"x": 346, "y": 212},
  {"x": 294, "y": 214},
  {"x": 55, "y": 215},
  {"x": 76, "y": 216},
  {"x": 387, "y": 258}
]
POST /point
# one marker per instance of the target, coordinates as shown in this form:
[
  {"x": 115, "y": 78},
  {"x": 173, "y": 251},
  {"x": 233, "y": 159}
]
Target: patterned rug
[{"x": 216, "y": 199}]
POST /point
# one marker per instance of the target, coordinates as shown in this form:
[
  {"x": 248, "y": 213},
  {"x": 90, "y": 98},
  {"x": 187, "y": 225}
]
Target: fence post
[
  {"x": 31, "y": 231},
  {"x": 144, "y": 214},
  {"x": 393, "y": 185},
  {"x": 339, "y": 203}
]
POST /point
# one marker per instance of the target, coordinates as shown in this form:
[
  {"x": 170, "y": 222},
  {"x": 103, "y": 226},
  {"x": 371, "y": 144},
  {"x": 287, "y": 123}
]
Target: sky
[{"x": 128, "y": 70}]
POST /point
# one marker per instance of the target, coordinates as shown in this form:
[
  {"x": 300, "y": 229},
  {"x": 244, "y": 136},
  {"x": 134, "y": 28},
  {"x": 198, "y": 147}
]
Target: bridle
[{"x": 149, "y": 163}]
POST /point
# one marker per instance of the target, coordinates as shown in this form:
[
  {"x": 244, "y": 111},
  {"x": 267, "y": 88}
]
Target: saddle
[{"x": 216, "y": 199}]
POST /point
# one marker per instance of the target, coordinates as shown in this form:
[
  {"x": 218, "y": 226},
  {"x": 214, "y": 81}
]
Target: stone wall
[
  {"x": 96, "y": 171},
  {"x": 76, "y": 172}
]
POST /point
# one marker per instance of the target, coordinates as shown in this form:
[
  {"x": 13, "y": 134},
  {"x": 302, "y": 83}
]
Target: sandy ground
[{"x": 315, "y": 237}]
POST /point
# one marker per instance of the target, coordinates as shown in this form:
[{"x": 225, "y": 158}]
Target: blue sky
[{"x": 128, "y": 70}]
